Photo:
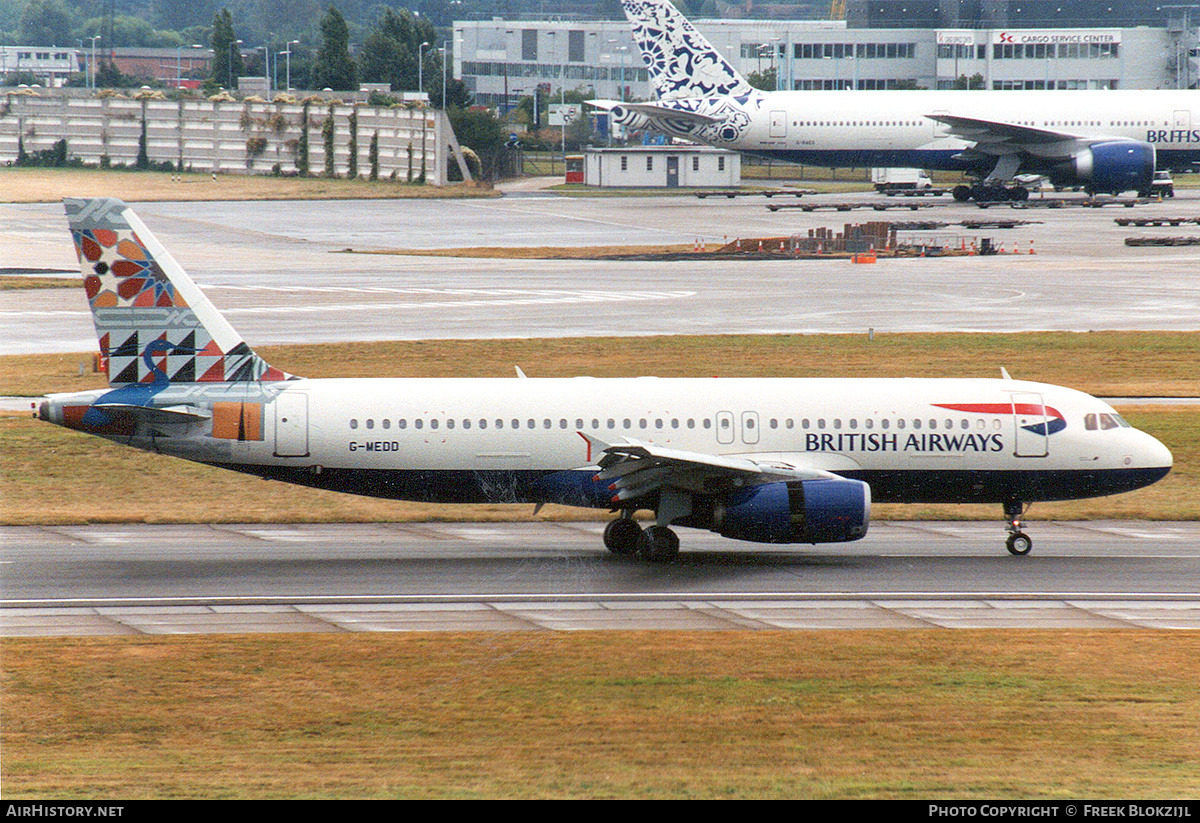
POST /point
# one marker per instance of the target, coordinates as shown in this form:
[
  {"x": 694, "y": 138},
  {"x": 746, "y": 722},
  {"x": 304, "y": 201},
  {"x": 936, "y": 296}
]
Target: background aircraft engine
[
  {"x": 797, "y": 511},
  {"x": 629, "y": 119},
  {"x": 1116, "y": 166}
]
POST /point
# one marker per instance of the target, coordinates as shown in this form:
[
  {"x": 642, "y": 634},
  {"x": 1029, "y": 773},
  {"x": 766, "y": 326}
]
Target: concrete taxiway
[
  {"x": 69, "y": 580},
  {"x": 281, "y": 273}
]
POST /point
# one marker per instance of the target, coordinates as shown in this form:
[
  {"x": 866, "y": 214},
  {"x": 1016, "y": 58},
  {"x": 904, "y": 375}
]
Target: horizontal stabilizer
[
  {"x": 656, "y": 111},
  {"x": 164, "y": 414}
]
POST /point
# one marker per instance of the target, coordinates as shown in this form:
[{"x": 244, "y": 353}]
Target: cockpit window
[{"x": 1104, "y": 421}]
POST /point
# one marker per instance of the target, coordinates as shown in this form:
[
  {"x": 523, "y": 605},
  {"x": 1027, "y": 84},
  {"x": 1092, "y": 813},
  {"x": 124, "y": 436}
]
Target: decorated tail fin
[
  {"x": 154, "y": 324},
  {"x": 681, "y": 61}
]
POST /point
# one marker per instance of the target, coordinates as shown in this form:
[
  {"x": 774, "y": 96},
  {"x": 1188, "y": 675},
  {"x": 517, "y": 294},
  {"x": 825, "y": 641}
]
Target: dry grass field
[
  {"x": 913, "y": 714},
  {"x": 51, "y": 185}
]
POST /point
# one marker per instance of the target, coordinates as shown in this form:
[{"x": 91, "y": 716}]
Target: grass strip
[
  {"x": 34, "y": 185},
  {"x": 740, "y": 714}
]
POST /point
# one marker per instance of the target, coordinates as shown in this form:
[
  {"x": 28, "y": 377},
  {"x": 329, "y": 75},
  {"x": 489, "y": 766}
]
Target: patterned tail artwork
[
  {"x": 154, "y": 324},
  {"x": 681, "y": 61}
]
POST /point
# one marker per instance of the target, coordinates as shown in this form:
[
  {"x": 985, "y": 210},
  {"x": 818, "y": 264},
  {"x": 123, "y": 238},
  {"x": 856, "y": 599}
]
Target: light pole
[
  {"x": 266, "y": 68},
  {"x": 92, "y": 65},
  {"x": 234, "y": 45},
  {"x": 179, "y": 67},
  {"x": 421, "y": 67},
  {"x": 445, "y": 50},
  {"x": 288, "y": 52}
]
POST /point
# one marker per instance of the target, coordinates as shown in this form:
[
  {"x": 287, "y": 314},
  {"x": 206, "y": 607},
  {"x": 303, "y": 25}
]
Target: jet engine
[
  {"x": 796, "y": 511},
  {"x": 1115, "y": 166},
  {"x": 628, "y": 118}
]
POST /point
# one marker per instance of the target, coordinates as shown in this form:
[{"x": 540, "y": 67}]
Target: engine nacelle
[
  {"x": 631, "y": 120},
  {"x": 796, "y": 511},
  {"x": 1116, "y": 166}
]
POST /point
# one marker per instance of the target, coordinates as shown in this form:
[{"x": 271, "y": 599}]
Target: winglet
[{"x": 1004, "y": 373}]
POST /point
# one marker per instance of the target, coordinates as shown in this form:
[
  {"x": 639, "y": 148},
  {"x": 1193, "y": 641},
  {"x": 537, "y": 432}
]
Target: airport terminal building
[{"x": 883, "y": 44}]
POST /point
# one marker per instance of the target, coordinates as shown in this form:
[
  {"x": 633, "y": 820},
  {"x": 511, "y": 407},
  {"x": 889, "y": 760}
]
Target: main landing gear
[
  {"x": 1018, "y": 542},
  {"x": 624, "y": 537},
  {"x": 990, "y": 193}
]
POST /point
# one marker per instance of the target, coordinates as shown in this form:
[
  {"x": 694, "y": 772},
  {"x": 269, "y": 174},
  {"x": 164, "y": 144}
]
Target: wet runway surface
[{"x": 489, "y": 576}]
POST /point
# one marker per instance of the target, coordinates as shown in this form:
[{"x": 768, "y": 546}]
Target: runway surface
[
  {"x": 74, "y": 580},
  {"x": 280, "y": 272}
]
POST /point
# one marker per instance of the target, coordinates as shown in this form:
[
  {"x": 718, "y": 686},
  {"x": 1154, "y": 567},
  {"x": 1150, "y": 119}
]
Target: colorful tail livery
[
  {"x": 155, "y": 326},
  {"x": 762, "y": 460},
  {"x": 680, "y": 60}
]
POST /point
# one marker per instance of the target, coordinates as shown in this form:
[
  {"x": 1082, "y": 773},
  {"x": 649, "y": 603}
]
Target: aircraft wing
[
  {"x": 997, "y": 137},
  {"x": 636, "y": 469}
]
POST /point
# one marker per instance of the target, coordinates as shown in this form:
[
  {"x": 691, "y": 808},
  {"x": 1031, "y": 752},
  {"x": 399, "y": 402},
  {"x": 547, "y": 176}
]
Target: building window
[
  {"x": 575, "y": 41},
  {"x": 529, "y": 50}
]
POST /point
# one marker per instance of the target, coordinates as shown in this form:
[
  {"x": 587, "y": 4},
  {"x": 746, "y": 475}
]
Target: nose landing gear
[{"x": 1018, "y": 542}]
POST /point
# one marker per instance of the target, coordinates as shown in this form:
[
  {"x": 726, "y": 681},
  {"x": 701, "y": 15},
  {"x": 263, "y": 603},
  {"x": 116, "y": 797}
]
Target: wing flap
[
  {"x": 636, "y": 470},
  {"x": 979, "y": 130}
]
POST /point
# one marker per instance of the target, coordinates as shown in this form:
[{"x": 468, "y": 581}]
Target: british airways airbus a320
[
  {"x": 765, "y": 460},
  {"x": 1103, "y": 140}
]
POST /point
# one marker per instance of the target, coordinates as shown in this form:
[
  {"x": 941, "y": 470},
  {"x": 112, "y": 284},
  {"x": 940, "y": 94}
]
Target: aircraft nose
[{"x": 1155, "y": 454}]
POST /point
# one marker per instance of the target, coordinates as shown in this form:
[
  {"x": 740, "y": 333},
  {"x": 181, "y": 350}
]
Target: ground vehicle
[
  {"x": 1161, "y": 186},
  {"x": 908, "y": 182}
]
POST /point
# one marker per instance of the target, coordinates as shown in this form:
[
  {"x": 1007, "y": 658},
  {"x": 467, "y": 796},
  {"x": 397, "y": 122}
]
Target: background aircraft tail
[
  {"x": 681, "y": 61},
  {"x": 154, "y": 324}
]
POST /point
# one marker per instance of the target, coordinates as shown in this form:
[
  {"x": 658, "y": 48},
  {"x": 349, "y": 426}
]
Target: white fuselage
[
  {"x": 460, "y": 440},
  {"x": 895, "y": 128}
]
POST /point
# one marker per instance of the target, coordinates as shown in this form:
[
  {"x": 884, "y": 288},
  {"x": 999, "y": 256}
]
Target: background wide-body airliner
[
  {"x": 766, "y": 460},
  {"x": 1102, "y": 140}
]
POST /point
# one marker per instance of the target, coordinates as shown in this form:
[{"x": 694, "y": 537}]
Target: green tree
[
  {"x": 327, "y": 139},
  {"x": 45, "y": 23},
  {"x": 389, "y": 54},
  {"x": 481, "y": 131},
  {"x": 227, "y": 57},
  {"x": 352, "y": 163},
  {"x": 302, "y": 144},
  {"x": 143, "y": 155},
  {"x": 129, "y": 31},
  {"x": 764, "y": 80},
  {"x": 333, "y": 68},
  {"x": 373, "y": 156}
]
